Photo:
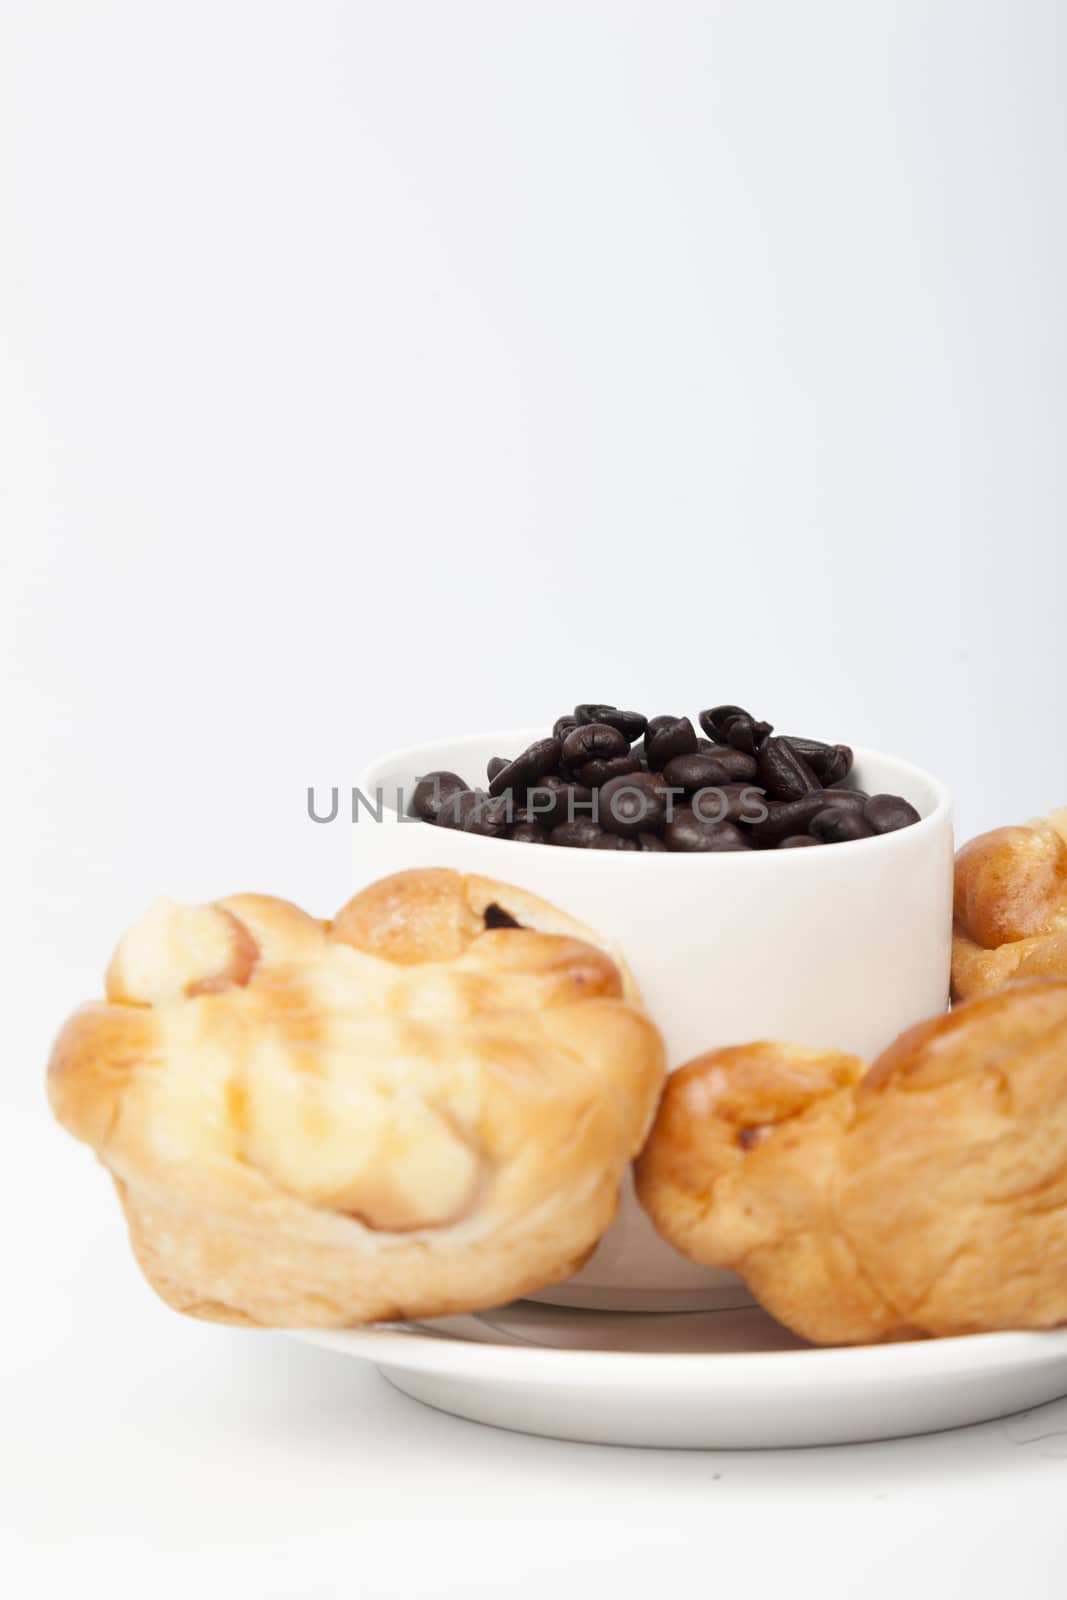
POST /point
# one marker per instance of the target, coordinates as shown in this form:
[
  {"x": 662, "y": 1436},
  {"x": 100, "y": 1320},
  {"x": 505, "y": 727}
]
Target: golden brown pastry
[
  {"x": 1011, "y": 907},
  {"x": 926, "y": 1196},
  {"x": 424, "y": 1107}
]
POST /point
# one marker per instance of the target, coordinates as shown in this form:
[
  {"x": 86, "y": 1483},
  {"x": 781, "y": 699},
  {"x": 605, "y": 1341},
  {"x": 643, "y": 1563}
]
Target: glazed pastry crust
[
  {"x": 927, "y": 1196},
  {"x": 406, "y": 1112},
  {"x": 1011, "y": 907}
]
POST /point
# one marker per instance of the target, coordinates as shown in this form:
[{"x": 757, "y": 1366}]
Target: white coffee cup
[{"x": 840, "y": 947}]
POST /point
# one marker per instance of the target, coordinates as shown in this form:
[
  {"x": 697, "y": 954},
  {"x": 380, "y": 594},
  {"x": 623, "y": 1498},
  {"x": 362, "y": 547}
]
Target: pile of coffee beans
[{"x": 606, "y": 779}]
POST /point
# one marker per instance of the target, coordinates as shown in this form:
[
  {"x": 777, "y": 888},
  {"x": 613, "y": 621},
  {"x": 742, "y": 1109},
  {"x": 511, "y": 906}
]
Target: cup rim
[{"x": 725, "y": 860}]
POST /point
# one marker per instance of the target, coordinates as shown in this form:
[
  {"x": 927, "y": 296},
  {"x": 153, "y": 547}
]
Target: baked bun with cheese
[
  {"x": 926, "y": 1196},
  {"x": 1011, "y": 907},
  {"x": 423, "y": 1107}
]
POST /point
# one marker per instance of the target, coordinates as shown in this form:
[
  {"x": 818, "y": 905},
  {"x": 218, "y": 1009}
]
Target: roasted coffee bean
[
  {"x": 632, "y": 804},
  {"x": 595, "y": 773},
  {"x": 579, "y": 834},
  {"x": 533, "y": 763},
  {"x": 829, "y": 762},
  {"x": 542, "y": 800},
  {"x": 472, "y": 811},
  {"x": 785, "y": 775},
  {"x": 786, "y": 817},
  {"x": 730, "y": 802},
  {"x": 688, "y": 833},
  {"x": 815, "y": 752},
  {"x": 491, "y": 817},
  {"x": 667, "y": 737},
  {"x": 745, "y": 734},
  {"x": 735, "y": 726},
  {"x": 698, "y": 770},
  {"x": 845, "y": 797},
  {"x": 593, "y": 741},
  {"x": 629, "y": 723},
  {"x": 432, "y": 791},
  {"x": 613, "y": 841},
  {"x": 838, "y": 824},
  {"x": 743, "y": 787},
  {"x": 528, "y": 833},
  {"x": 551, "y": 800},
  {"x": 888, "y": 812},
  {"x": 716, "y": 721},
  {"x": 794, "y": 815},
  {"x": 707, "y": 768},
  {"x": 524, "y": 813},
  {"x": 739, "y": 767},
  {"x": 842, "y": 766},
  {"x": 454, "y": 807}
]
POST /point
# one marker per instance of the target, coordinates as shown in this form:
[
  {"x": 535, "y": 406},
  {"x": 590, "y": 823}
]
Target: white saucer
[{"x": 726, "y": 1378}]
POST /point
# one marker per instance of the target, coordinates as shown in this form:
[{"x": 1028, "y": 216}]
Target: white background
[{"x": 379, "y": 371}]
